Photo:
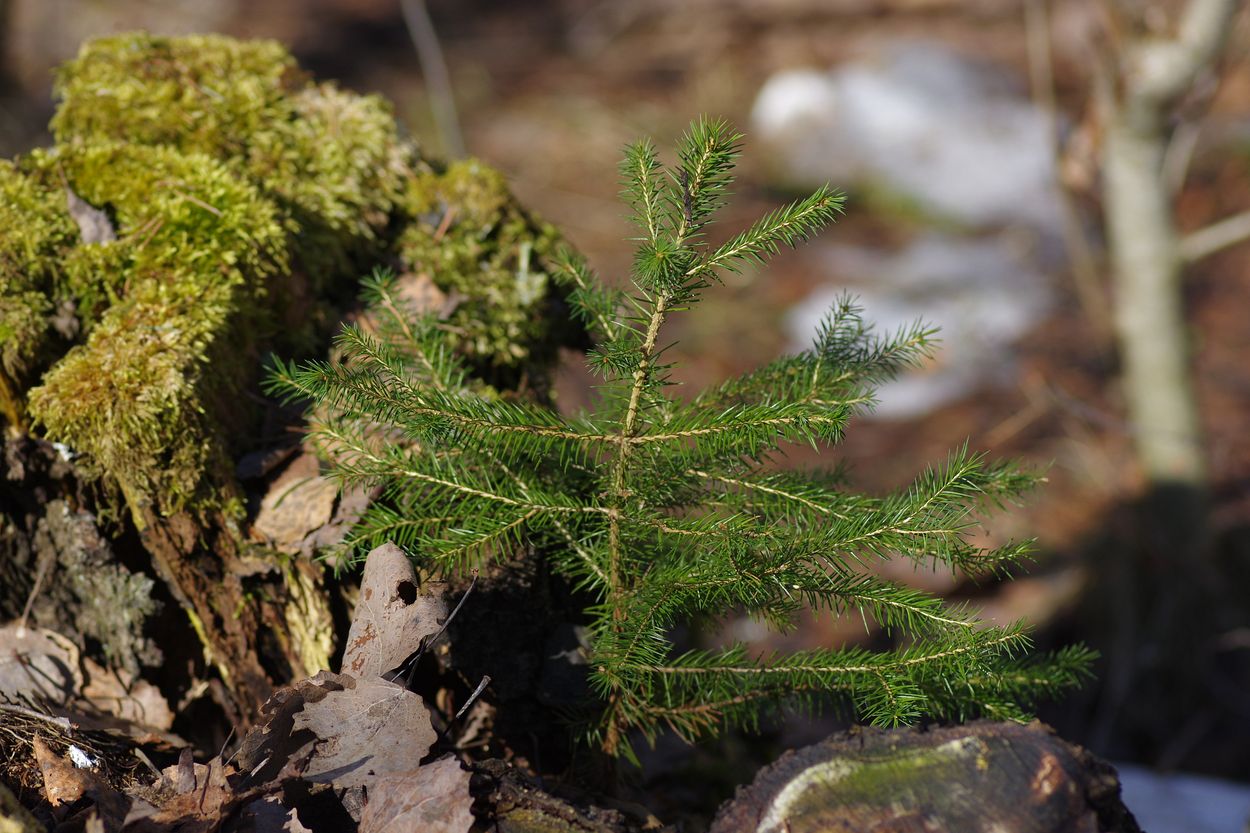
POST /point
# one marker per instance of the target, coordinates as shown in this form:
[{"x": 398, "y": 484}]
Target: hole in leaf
[{"x": 407, "y": 591}]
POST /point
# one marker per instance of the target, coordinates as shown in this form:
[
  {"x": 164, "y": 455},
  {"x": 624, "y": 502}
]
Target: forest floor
[{"x": 550, "y": 92}]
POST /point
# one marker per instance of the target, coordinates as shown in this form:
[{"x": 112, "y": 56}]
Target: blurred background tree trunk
[
  {"x": 1149, "y": 76},
  {"x": 1167, "y": 596}
]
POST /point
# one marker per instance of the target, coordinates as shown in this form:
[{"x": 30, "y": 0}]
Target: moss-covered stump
[
  {"x": 979, "y": 778},
  {"x": 206, "y": 203}
]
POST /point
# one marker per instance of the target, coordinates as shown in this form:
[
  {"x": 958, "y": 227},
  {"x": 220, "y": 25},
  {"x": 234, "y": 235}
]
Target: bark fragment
[{"x": 979, "y": 778}]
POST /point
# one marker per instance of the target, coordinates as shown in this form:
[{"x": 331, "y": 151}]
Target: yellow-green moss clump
[
  {"x": 33, "y": 235},
  {"x": 246, "y": 200},
  {"x": 332, "y": 160},
  {"x": 476, "y": 244},
  {"x": 195, "y": 244}
]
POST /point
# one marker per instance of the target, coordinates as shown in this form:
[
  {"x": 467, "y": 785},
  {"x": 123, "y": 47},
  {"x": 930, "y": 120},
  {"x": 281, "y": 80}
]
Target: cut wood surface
[{"x": 979, "y": 778}]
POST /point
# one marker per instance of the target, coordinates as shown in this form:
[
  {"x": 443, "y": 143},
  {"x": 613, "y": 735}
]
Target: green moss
[
  {"x": 340, "y": 175},
  {"x": 473, "y": 240},
  {"x": 203, "y": 93},
  {"x": 333, "y": 161},
  {"x": 247, "y": 201},
  {"x": 35, "y": 233},
  {"x": 196, "y": 244}
]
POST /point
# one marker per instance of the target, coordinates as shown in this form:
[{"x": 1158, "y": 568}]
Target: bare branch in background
[
  {"x": 1138, "y": 96},
  {"x": 1220, "y": 235},
  {"x": 437, "y": 79},
  {"x": 1086, "y": 275}
]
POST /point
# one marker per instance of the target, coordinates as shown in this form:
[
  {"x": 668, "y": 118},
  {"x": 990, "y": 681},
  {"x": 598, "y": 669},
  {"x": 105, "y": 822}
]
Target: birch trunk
[{"x": 1153, "y": 74}]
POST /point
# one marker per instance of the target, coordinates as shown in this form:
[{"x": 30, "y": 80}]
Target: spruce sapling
[{"x": 663, "y": 509}]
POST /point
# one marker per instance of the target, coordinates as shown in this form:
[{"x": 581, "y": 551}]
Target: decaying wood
[
  {"x": 978, "y": 778},
  {"x": 199, "y": 563}
]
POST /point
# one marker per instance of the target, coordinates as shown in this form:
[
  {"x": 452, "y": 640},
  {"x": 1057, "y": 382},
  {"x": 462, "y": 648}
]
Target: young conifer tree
[{"x": 666, "y": 509}]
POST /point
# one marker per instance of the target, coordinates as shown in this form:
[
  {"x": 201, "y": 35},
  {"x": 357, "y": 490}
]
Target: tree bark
[
  {"x": 197, "y": 559},
  {"x": 977, "y": 778}
]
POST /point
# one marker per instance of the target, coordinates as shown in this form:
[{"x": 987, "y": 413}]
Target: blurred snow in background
[
  {"x": 983, "y": 294},
  {"x": 1177, "y": 803},
  {"x": 920, "y": 120},
  {"x": 951, "y": 136}
]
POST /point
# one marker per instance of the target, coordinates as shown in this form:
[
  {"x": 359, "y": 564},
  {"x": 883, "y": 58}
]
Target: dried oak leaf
[
  {"x": 202, "y": 796},
  {"x": 119, "y": 694},
  {"x": 369, "y": 728},
  {"x": 38, "y": 664},
  {"x": 274, "y": 742},
  {"x": 393, "y": 615},
  {"x": 434, "y": 799},
  {"x": 297, "y": 503},
  {"x": 349, "y": 730}
]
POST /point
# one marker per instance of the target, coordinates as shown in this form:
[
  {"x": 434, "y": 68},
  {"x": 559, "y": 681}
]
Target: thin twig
[
  {"x": 412, "y": 661},
  {"x": 62, "y": 723},
  {"x": 1220, "y": 235},
  {"x": 437, "y": 79},
  {"x": 34, "y": 592},
  {"x": 477, "y": 692},
  {"x": 1085, "y": 273}
]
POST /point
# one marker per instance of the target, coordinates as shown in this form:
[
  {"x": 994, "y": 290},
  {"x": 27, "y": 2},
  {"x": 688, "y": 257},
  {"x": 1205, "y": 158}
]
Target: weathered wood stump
[{"x": 985, "y": 777}]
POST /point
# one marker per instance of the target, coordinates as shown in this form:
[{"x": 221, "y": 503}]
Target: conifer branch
[{"x": 661, "y": 509}]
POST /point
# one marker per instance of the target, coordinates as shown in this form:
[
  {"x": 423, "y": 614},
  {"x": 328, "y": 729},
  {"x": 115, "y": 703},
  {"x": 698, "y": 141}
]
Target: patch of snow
[
  {"x": 1178, "y": 803},
  {"x": 982, "y": 294},
  {"x": 81, "y": 759},
  {"x": 922, "y": 121}
]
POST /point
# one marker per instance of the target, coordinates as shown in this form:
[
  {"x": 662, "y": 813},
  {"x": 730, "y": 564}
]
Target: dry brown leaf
[
  {"x": 37, "y": 664},
  {"x": 340, "y": 730},
  {"x": 352, "y": 503},
  {"x": 297, "y": 503},
  {"x": 272, "y": 743},
  {"x": 118, "y": 694},
  {"x": 368, "y": 728},
  {"x": 393, "y": 615},
  {"x": 199, "y": 796},
  {"x": 434, "y": 799},
  {"x": 416, "y": 295},
  {"x": 419, "y": 294},
  {"x": 63, "y": 783}
]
